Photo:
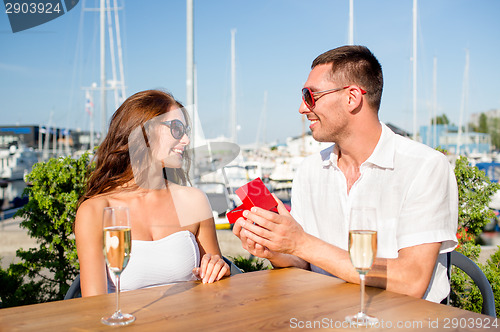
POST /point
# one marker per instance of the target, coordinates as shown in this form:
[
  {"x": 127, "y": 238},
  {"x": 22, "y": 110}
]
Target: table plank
[{"x": 266, "y": 300}]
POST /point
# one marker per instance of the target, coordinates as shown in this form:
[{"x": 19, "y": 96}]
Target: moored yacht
[{"x": 16, "y": 162}]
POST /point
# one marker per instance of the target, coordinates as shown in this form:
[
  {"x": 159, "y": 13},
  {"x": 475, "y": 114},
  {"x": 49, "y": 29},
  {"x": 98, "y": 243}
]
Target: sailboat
[
  {"x": 108, "y": 20},
  {"x": 208, "y": 157},
  {"x": 16, "y": 162}
]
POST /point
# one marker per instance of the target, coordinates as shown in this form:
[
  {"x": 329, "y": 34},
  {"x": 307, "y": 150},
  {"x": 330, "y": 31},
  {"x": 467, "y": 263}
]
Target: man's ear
[{"x": 355, "y": 97}]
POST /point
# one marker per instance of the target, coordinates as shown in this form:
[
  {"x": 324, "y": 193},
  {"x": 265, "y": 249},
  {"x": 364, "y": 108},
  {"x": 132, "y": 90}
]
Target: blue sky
[{"x": 43, "y": 69}]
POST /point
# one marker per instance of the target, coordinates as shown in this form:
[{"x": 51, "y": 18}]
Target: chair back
[
  {"x": 470, "y": 268},
  {"x": 234, "y": 268},
  {"x": 74, "y": 290}
]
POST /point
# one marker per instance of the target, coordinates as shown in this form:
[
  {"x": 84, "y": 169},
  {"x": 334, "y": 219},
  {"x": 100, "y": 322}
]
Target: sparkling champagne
[
  {"x": 117, "y": 245},
  {"x": 362, "y": 249}
]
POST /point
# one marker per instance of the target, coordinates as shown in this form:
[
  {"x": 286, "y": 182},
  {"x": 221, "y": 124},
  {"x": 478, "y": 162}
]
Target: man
[{"x": 412, "y": 186}]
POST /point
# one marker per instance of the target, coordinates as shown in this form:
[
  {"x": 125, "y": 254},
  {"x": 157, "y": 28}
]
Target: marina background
[
  {"x": 250, "y": 62},
  {"x": 43, "y": 70}
]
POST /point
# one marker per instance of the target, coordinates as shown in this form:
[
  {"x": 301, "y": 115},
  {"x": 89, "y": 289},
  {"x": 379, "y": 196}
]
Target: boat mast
[
  {"x": 351, "y": 23},
  {"x": 234, "y": 138},
  {"x": 45, "y": 155},
  {"x": 189, "y": 54},
  {"x": 414, "y": 63},
  {"x": 120, "y": 53},
  {"x": 118, "y": 80},
  {"x": 434, "y": 104},
  {"x": 463, "y": 104},
  {"x": 114, "y": 82},
  {"x": 262, "y": 129},
  {"x": 40, "y": 138},
  {"x": 89, "y": 107},
  {"x": 466, "y": 98},
  {"x": 190, "y": 72},
  {"x": 190, "y": 93},
  {"x": 103, "y": 68}
]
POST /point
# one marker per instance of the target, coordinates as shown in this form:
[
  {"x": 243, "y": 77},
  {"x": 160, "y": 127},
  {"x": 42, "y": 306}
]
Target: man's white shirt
[{"x": 411, "y": 185}]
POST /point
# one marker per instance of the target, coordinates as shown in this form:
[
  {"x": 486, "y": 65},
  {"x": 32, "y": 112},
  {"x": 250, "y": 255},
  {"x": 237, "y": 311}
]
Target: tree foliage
[
  {"x": 494, "y": 131},
  {"x": 488, "y": 125},
  {"x": 492, "y": 271},
  {"x": 441, "y": 120},
  {"x": 483, "y": 123},
  {"x": 249, "y": 264},
  {"x": 464, "y": 292},
  {"x": 474, "y": 194},
  {"x": 46, "y": 271}
]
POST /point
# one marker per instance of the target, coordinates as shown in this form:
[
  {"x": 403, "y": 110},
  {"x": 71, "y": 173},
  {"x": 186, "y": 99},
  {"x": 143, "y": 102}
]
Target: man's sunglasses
[
  {"x": 177, "y": 128},
  {"x": 310, "y": 97}
]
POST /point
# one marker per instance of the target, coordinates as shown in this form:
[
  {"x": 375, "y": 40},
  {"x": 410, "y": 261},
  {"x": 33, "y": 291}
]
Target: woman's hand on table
[{"x": 212, "y": 268}]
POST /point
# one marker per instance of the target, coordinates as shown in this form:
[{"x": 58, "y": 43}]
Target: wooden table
[{"x": 286, "y": 299}]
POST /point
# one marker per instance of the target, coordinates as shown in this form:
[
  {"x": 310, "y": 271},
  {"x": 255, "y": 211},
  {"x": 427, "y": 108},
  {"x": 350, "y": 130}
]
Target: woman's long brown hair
[{"x": 113, "y": 168}]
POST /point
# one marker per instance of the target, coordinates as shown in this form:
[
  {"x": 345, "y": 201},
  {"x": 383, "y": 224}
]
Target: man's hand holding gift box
[{"x": 254, "y": 193}]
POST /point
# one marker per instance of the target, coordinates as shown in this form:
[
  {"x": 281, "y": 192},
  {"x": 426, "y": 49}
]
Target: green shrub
[
  {"x": 46, "y": 272},
  {"x": 464, "y": 293},
  {"x": 249, "y": 264},
  {"x": 492, "y": 271},
  {"x": 474, "y": 194}
]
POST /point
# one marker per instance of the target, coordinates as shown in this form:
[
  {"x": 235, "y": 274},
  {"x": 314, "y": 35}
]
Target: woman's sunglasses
[
  {"x": 310, "y": 97},
  {"x": 177, "y": 128}
]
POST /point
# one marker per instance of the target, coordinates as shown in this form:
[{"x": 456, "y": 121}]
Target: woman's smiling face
[{"x": 164, "y": 146}]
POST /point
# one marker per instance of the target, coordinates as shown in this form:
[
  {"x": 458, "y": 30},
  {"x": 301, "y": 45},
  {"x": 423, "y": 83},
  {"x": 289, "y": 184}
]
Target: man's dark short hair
[{"x": 355, "y": 65}]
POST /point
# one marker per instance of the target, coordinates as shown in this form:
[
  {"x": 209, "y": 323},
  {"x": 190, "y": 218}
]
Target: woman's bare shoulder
[
  {"x": 193, "y": 203},
  {"x": 199, "y": 197},
  {"x": 191, "y": 193},
  {"x": 94, "y": 203},
  {"x": 195, "y": 192},
  {"x": 91, "y": 209}
]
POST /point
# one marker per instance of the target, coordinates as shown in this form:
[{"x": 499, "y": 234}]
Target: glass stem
[
  {"x": 118, "y": 311},
  {"x": 362, "y": 284}
]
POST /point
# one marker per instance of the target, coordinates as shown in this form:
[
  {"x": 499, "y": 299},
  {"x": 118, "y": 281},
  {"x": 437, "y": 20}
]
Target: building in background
[
  {"x": 491, "y": 114},
  {"x": 65, "y": 141},
  {"x": 447, "y": 137}
]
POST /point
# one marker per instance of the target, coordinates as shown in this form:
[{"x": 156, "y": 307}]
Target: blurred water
[{"x": 11, "y": 194}]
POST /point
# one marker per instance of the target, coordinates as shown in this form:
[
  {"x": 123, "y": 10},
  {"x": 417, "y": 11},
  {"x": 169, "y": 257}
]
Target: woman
[{"x": 139, "y": 165}]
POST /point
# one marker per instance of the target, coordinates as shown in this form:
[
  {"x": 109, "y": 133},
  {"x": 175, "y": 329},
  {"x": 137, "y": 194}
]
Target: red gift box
[
  {"x": 254, "y": 193},
  {"x": 234, "y": 214}
]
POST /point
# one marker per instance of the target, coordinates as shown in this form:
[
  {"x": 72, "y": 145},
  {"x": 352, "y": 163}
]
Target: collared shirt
[{"x": 411, "y": 185}]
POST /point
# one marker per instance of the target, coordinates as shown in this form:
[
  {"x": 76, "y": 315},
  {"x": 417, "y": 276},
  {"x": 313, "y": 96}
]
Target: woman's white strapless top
[{"x": 161, "y": 262}]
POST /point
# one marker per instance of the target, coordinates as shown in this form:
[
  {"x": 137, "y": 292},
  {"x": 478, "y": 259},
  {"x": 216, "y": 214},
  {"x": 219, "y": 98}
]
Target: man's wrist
[{"x": 301, "y": 245}]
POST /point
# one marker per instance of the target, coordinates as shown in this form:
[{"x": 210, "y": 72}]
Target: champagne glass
[
  {"x": 117, "y": 245},
  {"x": 362, "y": 251}
]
